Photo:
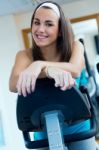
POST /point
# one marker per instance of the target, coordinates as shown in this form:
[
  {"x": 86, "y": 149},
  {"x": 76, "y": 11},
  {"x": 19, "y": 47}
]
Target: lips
[{"x": 41, "y": 37}]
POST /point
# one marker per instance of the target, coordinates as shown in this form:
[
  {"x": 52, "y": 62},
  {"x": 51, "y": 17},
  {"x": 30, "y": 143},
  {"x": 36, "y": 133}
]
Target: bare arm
[
  {"x": 76, "y": 63},
  {"x": 22, "y": 61},
  {"x": 24, "y": 66}
]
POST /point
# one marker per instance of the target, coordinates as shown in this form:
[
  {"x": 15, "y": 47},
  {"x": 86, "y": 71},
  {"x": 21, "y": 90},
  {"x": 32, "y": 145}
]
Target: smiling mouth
[{"x": 41, "y": 37}]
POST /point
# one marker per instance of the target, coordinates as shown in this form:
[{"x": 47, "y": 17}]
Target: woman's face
[{"x": 45, "y": 27}]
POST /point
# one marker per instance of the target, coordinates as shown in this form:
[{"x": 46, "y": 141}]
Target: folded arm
[
  {"x": 76, "y": 63},
  {"x": 25, "y": 71}
]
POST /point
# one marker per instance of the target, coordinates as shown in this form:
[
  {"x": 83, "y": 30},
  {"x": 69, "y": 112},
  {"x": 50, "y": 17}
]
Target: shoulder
[
  {"x": 78, "y": 45},
  {"x": 24, "y": 54},
  {"x": 23, "y": 58}
]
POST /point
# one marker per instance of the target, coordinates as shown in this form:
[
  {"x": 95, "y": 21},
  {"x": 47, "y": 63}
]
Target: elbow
[
  {"x": 12, "y": 88},
  {"x": 12, "y": 84},
  {"x": 78, "y": 69},
  {"x": 77, "y": 72}
]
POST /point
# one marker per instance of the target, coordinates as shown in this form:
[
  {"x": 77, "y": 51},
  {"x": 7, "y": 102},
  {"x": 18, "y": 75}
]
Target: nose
[{"x": 41, "y": 28}]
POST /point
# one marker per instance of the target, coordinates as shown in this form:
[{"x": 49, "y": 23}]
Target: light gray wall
[
  {"x": 81, "y": 8},
  {"x": 9, "y": 45}
]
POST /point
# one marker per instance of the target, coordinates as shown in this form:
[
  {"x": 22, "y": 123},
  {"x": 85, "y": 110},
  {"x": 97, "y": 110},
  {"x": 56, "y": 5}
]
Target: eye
[
  {"x": 49, "y": 24},
  {"x": 36, "y": 23}
]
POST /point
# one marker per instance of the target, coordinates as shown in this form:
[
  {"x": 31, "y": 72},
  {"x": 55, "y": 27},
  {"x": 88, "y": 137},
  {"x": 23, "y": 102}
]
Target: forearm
[
  {"x": 74, "y": 69},
  {"x": 13, "y": 83}
]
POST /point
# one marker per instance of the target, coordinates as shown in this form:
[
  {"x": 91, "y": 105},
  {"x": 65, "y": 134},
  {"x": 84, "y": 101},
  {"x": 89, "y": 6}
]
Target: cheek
[
  {"x": 54, "y": 29},
  {"x": 55, "y": 32},
  {"x": 33, "y": 28}
]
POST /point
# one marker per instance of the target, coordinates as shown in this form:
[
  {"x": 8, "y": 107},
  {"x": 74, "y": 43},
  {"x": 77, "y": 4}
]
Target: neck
[{"x": 50, "y": 53}]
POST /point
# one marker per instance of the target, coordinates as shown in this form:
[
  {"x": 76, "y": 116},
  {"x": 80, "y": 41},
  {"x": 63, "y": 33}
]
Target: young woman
[{"x": 55, "y": 54}]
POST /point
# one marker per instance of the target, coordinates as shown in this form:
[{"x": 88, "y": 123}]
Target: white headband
[{"x": 52, "y": 6}]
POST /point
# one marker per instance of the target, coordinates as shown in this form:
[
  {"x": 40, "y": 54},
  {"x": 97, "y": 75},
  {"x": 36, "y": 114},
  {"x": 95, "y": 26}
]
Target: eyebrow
[{"x": 48, "y": 21}]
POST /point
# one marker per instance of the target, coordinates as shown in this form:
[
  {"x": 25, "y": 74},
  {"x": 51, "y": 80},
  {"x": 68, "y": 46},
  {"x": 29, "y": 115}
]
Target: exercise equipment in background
[
  {"x": 93, "y": 85},
  {"x": 49, "y": 109}
]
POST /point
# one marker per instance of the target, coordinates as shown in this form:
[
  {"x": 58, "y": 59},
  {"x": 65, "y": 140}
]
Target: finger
[
  {"x": 28, "y": 84},
  {"x": 74, "y": 82},
  {"x": 66, "y": 82},
  {"x": 57, "y": 81},
  {"x": 71, "y": 81},
  {"x": 19, "y": 85},
  {"x": 61, "y": 79},
  {"x": 33, "y": 82},
  {"x": 23, "y": 88}
]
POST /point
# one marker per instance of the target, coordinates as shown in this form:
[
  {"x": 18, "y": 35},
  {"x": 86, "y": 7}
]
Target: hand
[
  {"x": 27, "y": 78},
  {"x": 63, "y": 79}
]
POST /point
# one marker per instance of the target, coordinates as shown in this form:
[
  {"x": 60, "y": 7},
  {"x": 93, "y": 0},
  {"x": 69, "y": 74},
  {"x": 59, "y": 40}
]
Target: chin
[{"x": 41, "y": 45}]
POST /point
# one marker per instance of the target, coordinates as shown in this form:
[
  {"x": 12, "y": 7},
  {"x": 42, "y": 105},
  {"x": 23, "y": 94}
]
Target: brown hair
[{"x": 64, "y": 41}]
